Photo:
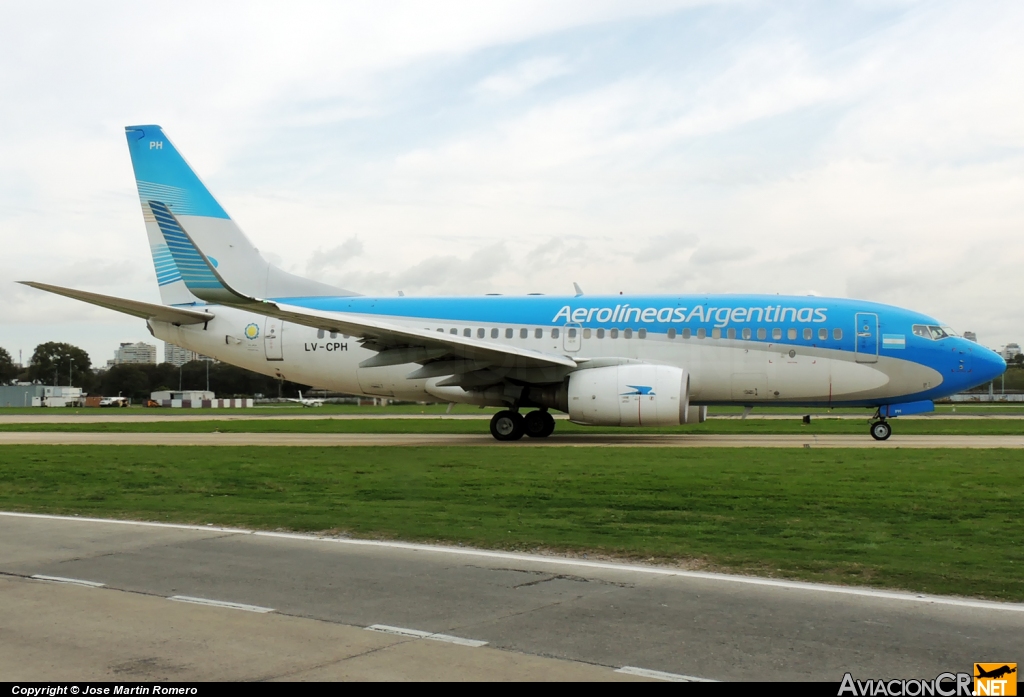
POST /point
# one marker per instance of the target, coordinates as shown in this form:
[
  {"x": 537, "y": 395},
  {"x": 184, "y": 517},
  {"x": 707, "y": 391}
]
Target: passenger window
[
  {"x": 539, "y": 334},
  {"x": 509, "y": 333},
  {"x": 702, "y": 333},
  {"x": 716, "y": 333},
  {"x": 572, "y": 332},
  {"x": 334, "y": 335},
  {"x": 791, "y": 333},
  {"x": 627, "y": 333},
  {"x": 808, "y": 334},
  {"x": 822, "y": 334},
  {"x": 467, "y": 332},
  {"x": 586, "y": 333},
  {"x": 762, "y": 333},
  {"x": 344, "y": 336},
  {"x": 686, "y": 333},
  {"x": 524, "y": 333},
  {"x": 453, "y": 330},
  {"x": 319, "y": 333},
  {"x": 837, "y": 334},
  {"x": 600, "y": 333},
  {"x": 672, "y": 333},
  {"x": 613, "y": 334},
  {"x": 494, "y": 333},
  {"x": 777, "y": 333},
  {"x": 440, "y": 330},
  {"x": 746, "y": 333},
  {"x": 554, "y": 333},
  {"x": 480, "y": 333},
  {"x": 642, "y": 333},
  {"x": 731, "y": 334}
]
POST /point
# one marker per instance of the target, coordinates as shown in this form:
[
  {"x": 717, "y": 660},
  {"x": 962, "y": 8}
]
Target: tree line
[{"x": 69, "y": 364}]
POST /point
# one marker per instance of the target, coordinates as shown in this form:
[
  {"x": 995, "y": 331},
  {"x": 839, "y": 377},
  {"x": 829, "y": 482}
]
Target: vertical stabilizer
[{"x": 164, "y": 178}]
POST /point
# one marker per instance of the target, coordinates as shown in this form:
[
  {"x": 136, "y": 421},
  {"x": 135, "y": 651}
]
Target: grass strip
[
  {"x": 938, "y": 522},
  {"x": 822, "y": 426}
]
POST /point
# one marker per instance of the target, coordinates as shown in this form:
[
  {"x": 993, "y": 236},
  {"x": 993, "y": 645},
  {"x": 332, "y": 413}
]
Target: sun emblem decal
[{"x": 252, "y": 331}]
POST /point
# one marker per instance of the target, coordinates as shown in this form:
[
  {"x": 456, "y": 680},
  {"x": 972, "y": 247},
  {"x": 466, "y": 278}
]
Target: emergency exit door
[
  {"x": 867, "y": 337},
  {"x": 273, "y": 339}
]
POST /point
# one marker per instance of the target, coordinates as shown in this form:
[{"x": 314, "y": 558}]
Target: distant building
[
  {"x": 176, "y": 355},
  {"x": 1009, "y": 351},
  {"x": 134, "y": 353},
  {"x": 28, "y": 395},
  {"x": 971, "y": 336}
]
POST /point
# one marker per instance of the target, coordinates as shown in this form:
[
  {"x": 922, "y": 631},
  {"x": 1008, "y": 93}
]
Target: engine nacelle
[{"x": 629, "y": 395}]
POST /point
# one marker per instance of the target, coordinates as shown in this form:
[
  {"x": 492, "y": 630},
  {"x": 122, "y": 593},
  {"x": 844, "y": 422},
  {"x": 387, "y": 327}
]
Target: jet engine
[{"x": 623, "y": 395}]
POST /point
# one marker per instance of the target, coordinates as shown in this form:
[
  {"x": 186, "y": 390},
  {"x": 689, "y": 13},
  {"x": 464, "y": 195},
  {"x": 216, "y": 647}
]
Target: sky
[{"x": 870, "y": 149}]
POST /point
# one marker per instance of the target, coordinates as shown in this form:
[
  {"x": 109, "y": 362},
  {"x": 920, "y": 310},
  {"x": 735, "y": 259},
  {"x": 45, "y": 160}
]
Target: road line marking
[
  {"x": 220, "y": 603},
  {"x": 419, "y": 634},
  {"x": 660, "y": 675},
  {"x": 73, "y": 581},
  {"x": 557, "y": 561}
]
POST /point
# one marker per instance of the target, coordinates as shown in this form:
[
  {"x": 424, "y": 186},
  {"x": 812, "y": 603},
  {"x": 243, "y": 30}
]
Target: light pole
[{"x": 71, "y": 364}]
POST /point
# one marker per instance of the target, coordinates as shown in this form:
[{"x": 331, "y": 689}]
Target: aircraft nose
[{"x": 992, "y": 364}]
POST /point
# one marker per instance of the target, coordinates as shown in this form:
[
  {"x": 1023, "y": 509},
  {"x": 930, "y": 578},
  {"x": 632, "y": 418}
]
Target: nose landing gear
[{"x": 881, "y": 430}]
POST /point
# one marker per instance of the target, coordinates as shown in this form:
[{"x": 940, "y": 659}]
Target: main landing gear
[
  {"x": 511, "y": 425},
  {"x": 881, "y": 430}
]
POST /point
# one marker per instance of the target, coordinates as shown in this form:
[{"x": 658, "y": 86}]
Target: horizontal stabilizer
[{"x": 160, "y": 313}]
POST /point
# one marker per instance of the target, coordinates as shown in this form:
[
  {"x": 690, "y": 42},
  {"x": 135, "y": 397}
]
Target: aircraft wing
[
  {"x": 160, "y": 313},
  {"x": 395, "y": 344}
]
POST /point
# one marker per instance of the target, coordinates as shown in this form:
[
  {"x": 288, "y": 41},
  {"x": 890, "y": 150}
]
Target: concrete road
[
  {"x": 542, "y": 617},
  {"x": 53, "y": 416},
  {"x": 625, "y": 439}
]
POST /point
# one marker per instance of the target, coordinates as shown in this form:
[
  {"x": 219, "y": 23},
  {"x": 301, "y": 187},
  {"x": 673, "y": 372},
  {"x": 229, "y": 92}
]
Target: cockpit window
[{"x": 932, "y": 331}]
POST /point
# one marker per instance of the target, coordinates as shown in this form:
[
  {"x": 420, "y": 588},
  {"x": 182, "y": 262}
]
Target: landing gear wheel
[
  {"x": 881, "y": 430},
  {"x": 507, "y": 425},
  {"x": 539, "y": 424}
]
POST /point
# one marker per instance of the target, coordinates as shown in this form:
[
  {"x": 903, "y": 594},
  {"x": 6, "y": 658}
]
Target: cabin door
[{"x": 867, "y": 337}]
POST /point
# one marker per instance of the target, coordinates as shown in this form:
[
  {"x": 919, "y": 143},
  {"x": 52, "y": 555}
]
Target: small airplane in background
[{"x": 307, "y": 402}]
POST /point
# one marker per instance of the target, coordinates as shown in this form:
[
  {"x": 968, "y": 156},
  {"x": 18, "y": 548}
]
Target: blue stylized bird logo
[{"x": 640, "y": 390}]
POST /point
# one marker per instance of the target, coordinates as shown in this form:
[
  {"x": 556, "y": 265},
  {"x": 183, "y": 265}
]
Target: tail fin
[{"x": 166, "y": 181}]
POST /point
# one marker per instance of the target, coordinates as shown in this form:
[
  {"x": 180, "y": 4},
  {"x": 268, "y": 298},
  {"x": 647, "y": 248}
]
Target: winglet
[{"x": 579, "y": 291}]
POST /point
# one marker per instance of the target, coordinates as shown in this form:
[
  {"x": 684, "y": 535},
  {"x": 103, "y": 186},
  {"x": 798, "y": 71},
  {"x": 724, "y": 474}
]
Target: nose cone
[{"x": 988, "y": 364}]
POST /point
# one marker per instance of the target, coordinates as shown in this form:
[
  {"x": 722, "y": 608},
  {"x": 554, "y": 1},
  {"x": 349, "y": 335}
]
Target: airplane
[
  {"x": 306, "y": 402},
  {"x": 613, "y": 360},
  {"x": 995, "y": 673}
]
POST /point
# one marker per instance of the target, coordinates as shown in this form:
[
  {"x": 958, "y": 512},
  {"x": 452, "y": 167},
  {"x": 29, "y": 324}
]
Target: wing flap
[{"x": 136, "y": 308}]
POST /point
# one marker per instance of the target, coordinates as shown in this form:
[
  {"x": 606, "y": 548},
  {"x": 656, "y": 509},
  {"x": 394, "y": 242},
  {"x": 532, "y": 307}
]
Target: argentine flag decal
[{"x": 894, "y": 341}]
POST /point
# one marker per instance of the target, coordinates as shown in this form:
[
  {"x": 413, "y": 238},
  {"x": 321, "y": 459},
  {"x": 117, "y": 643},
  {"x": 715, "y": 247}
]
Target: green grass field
[
  {"x": 944, "y": 521},
  {"x": 993, "y": 410},
  {"x": 821, "y": 426}
]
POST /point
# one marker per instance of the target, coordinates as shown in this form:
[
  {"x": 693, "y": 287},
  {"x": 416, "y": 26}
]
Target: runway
[
  {"x": 626, "y": 439},
  {"x": 54, "y": 416},
  {"x": 298, "y": 607}
]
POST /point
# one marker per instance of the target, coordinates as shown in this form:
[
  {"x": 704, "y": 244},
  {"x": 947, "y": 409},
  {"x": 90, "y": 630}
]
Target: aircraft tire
[
  {"x": 881, "y": 430},
  {"x": 539, "y": 424},
  {"x": 507, "y": 425}
]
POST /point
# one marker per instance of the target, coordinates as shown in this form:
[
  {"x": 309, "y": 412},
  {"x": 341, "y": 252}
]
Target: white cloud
[{"x": 523, "y": 77}]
